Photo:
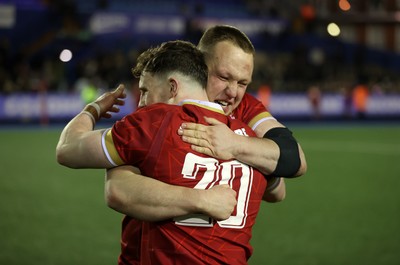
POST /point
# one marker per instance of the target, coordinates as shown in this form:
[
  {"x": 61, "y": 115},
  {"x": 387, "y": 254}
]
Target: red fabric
[{"x": 148, "y": 139}]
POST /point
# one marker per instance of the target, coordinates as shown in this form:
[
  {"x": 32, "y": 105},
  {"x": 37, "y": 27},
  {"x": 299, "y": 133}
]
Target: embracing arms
[
  {"x": 126, "y": 190},
  {"x": 263, "y": 153},
  {"x": 79, "y": 145},
  {"x": 275, "y": 152},
  {"x": 145, "y": 198}
]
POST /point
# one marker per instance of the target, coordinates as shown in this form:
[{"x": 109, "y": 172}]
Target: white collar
[{"x": 206, "y": 104}]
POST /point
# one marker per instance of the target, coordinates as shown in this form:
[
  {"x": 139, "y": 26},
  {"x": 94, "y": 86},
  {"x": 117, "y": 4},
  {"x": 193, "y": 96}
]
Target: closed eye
[{"x": 243, "y": 84}]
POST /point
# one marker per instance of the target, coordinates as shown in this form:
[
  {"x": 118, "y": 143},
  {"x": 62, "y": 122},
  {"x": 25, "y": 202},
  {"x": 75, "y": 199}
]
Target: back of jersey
[{"x": 197, "y": 239}]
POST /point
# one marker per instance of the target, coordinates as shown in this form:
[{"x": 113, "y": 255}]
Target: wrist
[
  {"x": 198, "y": 201},
  {"x": 238, "y": 150},
  {"x": 94, "y": 109},
  {"x": 90, "y": 115}
]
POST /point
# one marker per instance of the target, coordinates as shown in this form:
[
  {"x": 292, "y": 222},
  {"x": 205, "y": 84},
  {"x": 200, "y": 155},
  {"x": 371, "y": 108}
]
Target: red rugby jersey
[
  {"x": 148, "y": 139},
  {"x": 251, "y": 111}
]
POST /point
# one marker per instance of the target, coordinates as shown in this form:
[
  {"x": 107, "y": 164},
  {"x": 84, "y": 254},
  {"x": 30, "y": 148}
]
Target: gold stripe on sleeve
[
  {"x": 263, "y": 115},
  {"x": 112, "y": 152}
]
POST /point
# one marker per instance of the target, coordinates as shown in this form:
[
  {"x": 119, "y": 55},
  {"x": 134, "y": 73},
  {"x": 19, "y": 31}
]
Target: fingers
[
  {"x": 120, "y": 89},
  {"x": 107, "y": 115},
  {"x": 194, "y": 126},
  {"x": 120, "y": 86},
  {"x": 196, "y": 135},
  {"x": 190, "y": 138},
  {"x": 199, "y": 142},
  {"x": 226, "y": 186},
  {"x": 120, "y": 102},
  {"x": 192, "y": 130},
  {"x": 195, "y": 139},
  {"x": 222, "y": 202},
  {"x": 212, "y": 121},
  {"x": 114, "y": 109},
  {"x": 119, "y": 92},
  {"x": 202, "y": 150}
]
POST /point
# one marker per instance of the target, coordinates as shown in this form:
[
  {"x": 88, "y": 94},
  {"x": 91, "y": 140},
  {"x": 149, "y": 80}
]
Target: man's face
[
  {"x": 229, "y": 73},
  {"x": 153, "y": 90}
]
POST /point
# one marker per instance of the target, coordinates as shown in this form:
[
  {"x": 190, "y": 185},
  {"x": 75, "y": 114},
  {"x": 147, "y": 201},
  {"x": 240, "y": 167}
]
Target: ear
[{"x": 174, "y": 86}]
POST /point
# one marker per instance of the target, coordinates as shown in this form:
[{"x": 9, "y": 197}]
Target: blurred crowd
[{"x": 299, "y": 69}]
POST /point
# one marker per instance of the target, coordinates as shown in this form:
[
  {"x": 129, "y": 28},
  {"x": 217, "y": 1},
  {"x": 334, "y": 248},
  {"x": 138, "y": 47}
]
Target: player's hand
[
  {"x": 109, "y": 102},
  {"x": 220, "y": 202},
  {"x": 215, "y": 140}
]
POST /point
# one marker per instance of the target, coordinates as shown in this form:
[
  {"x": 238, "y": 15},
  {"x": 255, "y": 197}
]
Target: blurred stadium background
[
  {"x": 315, "y": 59},
  {"x": 328, "y": 69}
]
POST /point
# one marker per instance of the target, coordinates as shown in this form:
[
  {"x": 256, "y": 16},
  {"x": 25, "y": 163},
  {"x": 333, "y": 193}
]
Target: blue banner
[{"x": 22, "y": 107}]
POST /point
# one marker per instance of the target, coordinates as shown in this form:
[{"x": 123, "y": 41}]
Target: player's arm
[
  {"x": 274, "y": 151},
  {"x": 79, "y": 145},
  {"x": 290, "y": 154},
  {"x": 276, "y": 190},
  {"x": 151, "y": 200}
]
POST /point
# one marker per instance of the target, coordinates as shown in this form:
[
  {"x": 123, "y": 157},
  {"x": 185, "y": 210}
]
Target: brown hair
[
  {"x": 173, "y": 56},
  {"x": 219, "y": 33}
]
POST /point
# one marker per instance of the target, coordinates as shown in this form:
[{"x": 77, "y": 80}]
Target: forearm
[
  {"x": 274, "y": 150},
  {"x": 79, "y": 146},
  {"x": 148, "y": 199},
  {"x": 267, "y": 126},
  {"x": 264, "y": 154},
  {"x": 275, "y": 191},
  {"x": 260, "y": 153}
]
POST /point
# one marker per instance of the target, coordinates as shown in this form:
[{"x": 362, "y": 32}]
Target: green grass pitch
[{"x": 345, "y": 210}]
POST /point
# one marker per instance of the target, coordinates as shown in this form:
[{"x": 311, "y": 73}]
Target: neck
[{"x": 197, "y": 93}]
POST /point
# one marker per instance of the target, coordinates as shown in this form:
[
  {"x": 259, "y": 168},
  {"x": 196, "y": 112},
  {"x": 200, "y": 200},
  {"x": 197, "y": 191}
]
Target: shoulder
[
  {"x": 145, "y": 119},
  {"x": 241, "y": 128},
  {"x": 248, "y": 105},
  {"x": 153, "y": 112},
  {"x": 249, "y": 98},
  {"x": 154, "y": 108}
]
